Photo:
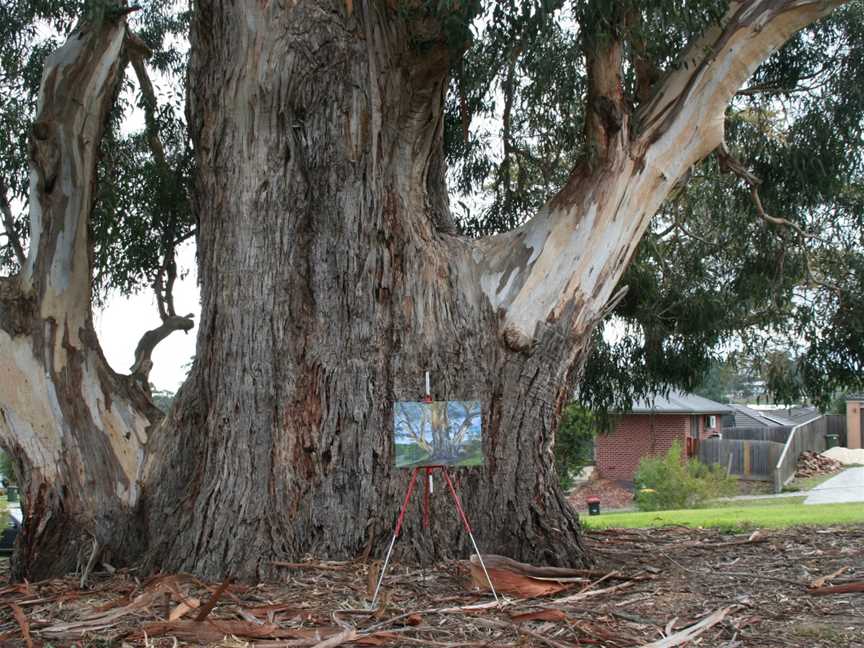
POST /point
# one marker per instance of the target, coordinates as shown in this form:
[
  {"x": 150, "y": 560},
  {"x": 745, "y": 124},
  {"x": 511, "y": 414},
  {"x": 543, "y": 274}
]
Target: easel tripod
[{"x": 428, "y": 489}]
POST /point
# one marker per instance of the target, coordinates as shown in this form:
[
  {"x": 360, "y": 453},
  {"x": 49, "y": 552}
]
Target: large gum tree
[{"x": 332, "y": 277}]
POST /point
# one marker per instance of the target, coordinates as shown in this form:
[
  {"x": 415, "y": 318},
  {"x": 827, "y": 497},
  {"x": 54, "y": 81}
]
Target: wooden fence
[
  {"x": 836, "y": 424},
  {"x": 809, "y": 436},
  {"x": 747, "y": 458},
  {"x": 777, "y": 434}
]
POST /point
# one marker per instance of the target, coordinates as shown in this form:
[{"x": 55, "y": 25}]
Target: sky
[{"x": 125, "y": 319}]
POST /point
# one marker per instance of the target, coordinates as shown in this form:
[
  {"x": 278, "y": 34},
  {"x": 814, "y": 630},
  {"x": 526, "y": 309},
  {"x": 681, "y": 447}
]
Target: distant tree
[
  {"x": 162, "y": 398},
  {"x": 6, "y": 467},
  {"x": 574, "y": 443}
]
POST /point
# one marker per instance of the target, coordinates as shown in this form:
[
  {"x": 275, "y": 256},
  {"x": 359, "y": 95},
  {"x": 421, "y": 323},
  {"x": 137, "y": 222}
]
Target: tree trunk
[
  {"x": 75, "y": 429},
  {"x": 331, "y": 282}
]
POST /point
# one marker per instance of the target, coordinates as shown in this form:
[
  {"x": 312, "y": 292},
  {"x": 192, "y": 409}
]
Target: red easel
[{"x": 428, "y": 489}]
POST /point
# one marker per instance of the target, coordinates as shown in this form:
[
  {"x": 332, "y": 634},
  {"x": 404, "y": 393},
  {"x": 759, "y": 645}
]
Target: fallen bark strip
[
  {"x": 691, "y": 632},
  {"x": 337, "y": 640},
  {"x": 211, "y": 602},
  {"x": 21, "y": 618},
  {"x": 591, "y": 593},
  {"x": 848, "y": 588},
  {"x": 522, "y": 630},
  {"x": 820, "y": 582}
]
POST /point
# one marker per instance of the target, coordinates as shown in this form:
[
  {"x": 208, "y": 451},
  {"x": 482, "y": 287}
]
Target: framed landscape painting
[{"x": 441, "y": 433}]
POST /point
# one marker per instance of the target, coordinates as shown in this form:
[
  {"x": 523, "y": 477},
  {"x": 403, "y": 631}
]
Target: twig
[
  {"x": 300, "y": 565},
  {"x": 337, "y": 640},
  {"x": 838, "y": 589},
  {"x": 90, "y": 563},
  {"x": 9, "y": 225},
  {"x": 21, "y": 618},
  {"x": 788, "y": 581},
  {"x": 591, "y": 593},
  {"x": 690, "y": 633},
  {"x": 211, "y": 602},
  {"x": 523, "y": 630}
]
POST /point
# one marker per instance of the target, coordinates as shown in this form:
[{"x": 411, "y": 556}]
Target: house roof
[
  {"x": 855, "y": 397},
  {"x": 801, "y": 414},
  {"x": 677, "y": 402},
  {"x": 747, "y": 417}
]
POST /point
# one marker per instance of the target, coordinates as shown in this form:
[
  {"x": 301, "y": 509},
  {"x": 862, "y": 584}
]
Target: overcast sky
[{"x": 125, "y": 319}]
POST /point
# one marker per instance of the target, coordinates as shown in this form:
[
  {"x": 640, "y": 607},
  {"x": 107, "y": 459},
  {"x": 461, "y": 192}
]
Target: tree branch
[
  {"x": 645, "y": 71},
  {"x": 140, "y": 370},
  {"x": 569, "y": 257},
  {"x": 9, "y": 226},
  {"x": 79, "y": 83},
  {"x": 730, "y": 164},
  {"x": 163, "y": 284},
  {"x": 605, "y": 108}
]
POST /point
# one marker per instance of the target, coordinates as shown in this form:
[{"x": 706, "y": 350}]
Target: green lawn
[{"x": 751, "y": 514}]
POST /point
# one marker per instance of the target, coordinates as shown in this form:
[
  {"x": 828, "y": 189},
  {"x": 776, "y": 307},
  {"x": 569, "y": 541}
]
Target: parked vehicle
[{"x": 10, "y": 533}]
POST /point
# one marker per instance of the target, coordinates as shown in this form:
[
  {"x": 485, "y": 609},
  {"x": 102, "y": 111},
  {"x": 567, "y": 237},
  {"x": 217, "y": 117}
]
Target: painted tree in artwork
[
  {"x": 336, "y": 268},
  {"x": 450, "y": 422}
]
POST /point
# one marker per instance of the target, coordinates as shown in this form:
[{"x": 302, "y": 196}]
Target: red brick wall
[
  {"x": 636, "y": 436},
  {"x": 704, "y": 430}
]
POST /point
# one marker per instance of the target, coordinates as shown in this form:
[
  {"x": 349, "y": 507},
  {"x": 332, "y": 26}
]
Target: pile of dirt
[
  {"x": 812, "y": 464},
  {"x": 612, "y": 494},
  {"x": 846, "y": 456}
]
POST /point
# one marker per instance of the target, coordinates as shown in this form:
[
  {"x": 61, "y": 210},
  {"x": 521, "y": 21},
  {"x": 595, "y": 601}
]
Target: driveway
[{"x": 848, "y": 486}]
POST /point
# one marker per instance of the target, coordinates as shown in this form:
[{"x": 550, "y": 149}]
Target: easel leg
[
  {"x": 468, "y": 529},
  {"x": 399, "y": 521}
]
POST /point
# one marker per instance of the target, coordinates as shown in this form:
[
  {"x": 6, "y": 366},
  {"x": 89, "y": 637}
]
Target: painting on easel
[{"x": 440, "y": 433}]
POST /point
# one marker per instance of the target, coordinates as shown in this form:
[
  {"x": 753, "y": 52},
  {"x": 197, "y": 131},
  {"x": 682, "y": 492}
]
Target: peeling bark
[
  {"x": 537, "y": 271},
  {"x": 76, "y": 430}
]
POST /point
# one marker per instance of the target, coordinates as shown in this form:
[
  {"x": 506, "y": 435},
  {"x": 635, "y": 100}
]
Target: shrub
[{"x": 670, "y": 482}]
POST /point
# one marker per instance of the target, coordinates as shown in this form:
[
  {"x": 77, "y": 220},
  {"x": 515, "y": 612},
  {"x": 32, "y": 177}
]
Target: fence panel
[
  {"x": 749, "y": 459},
  {"x": 836, "y": 424},
  {"x": 777, "y": 434},
  {"x": 809, "y": 437}
]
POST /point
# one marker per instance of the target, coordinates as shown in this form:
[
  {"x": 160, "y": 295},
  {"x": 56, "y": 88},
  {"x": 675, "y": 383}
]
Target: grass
[
  {"x": 756, "y": 503},
  {"x": 752, "y": 514},
  {"x": 808, "y": 483}
]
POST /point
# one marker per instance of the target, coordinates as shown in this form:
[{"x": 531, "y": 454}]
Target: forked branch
[
  {"x": 9, "y": 226},
  {"x": 163, "y": 283},
  {"x": 570, "y": 256}
]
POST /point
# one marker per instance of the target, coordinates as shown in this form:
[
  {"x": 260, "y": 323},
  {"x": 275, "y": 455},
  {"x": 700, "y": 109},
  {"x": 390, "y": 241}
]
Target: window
[{"x": 712, "y": 422}]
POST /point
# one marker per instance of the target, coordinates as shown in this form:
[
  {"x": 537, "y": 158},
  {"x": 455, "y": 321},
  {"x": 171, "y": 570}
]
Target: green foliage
[
  {"x": 574, "y": 443},
  {"x": 670, "y": 482},
  {"x": 162, "y": 398},
  {"x": 141, "y": 211},
  {"x": 710, "y": 274},
  {"x": 6, "y": 467},
  {"x": 837, "y": 405}
]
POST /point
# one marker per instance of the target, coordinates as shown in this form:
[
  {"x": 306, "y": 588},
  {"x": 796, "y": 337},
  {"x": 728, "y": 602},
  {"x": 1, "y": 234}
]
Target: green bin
[{"x": 832, "y": 440}]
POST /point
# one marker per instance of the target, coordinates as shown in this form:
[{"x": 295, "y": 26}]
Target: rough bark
[{"x": 76, "y": 429}]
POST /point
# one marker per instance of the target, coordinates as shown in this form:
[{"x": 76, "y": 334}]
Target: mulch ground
[
  {"x": 612, "y": 494},
  {"x": 658, "y": 588}
]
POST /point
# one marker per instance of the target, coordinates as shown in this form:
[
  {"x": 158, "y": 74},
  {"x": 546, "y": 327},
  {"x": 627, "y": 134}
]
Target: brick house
[{"x": 651, "y": 427}]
